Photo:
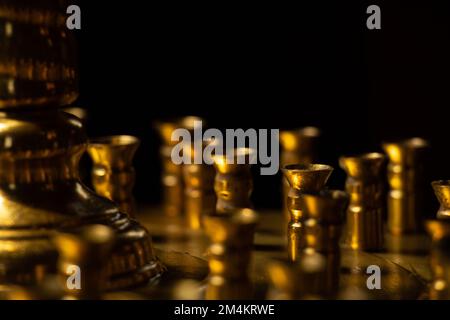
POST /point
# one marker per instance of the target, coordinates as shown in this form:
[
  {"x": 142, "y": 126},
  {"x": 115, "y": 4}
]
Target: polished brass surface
[
  {"x": 405, "y": 176},
  {"x": 113, "y": 175},
  {"x": 233, "y": 182},
  {"x": 40, "y": 192},
  {"x": 87, "y": 250},
  {"x": 365, "y": 214},
  {"x": 172, "y": 175},
  {"x": 442, "y": 190},
  {"x": 80, "y": 113},
  {"x": 298, "y": 146},
  {"x": 230, "y": 254},
  {"x": 323, "y": 220},
  {"x": 301, "y": 178},
  {"x": 39, "y": 71},
  {"x": 200, "y": 198}
]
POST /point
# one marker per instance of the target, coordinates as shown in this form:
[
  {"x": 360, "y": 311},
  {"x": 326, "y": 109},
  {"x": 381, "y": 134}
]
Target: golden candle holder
[
  {"x": 233, "y": 183},
  {"x": 113, "y": 175},
  {"x": 365, "y": 212},
  {"x": 301, "y": 178},
  {"x": 405, "y": 177},
  {"x": 230, "y": 254},
  {"x": 298, "y": 146}
]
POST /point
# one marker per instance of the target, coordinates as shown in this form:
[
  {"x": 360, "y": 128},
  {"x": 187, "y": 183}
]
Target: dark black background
[{"x": 268, "y": 66}]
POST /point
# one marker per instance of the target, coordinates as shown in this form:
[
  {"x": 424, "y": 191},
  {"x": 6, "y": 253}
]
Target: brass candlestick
[
  {"x": 365, "y": 212},
  {"x": 83, "y": 257},
  {"x": 172, "y": 174},
  {"x": 233, "y": 182},
  {"x": 405, "y": 176},
  {"x": 323, "y": 219},
  {"x": 230, "y": 253},
  {"x": 297, "y": 147},
  {"x": 41, "y": 146},
  {"x": 113, "y": 175},
  {"x": 301, "y": 178}
]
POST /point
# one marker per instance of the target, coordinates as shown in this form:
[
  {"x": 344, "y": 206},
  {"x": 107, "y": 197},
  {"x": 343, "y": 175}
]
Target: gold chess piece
[
  {"x": 442, "y": 191},
  {"x": 298, "y": 146},
  {"x": 301, "y": 178},
  {"x": 233, "y": 182},
  {"x": 83, "y": 258},
  {"x": 439, "y": 230},
  {"x": 323, "y": 219},
  {"x": 172, "y": 174},
  {"x": 40, "y": 190},
  {"x": 113, "y": 175},
  {"x": 230, "y": 254},
  {"x": 301, "y": 279},
  {"x": 405, "y": 175},
  {"x": 365, "y": 212},
  {"x": 200, "y": 198}
]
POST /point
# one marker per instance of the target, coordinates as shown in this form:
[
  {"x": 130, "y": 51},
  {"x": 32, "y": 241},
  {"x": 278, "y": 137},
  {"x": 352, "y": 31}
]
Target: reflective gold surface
[
  {"x": 113, "y": 175},
  {"x": 405, "y": 176},
  {"x": 365, "y": 212},
  {"x": 233, "y": 182},
  {"x": 301, "y": 178}
]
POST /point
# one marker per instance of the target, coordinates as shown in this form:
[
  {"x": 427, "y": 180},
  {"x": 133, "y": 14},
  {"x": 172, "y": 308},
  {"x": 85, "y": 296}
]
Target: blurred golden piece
[
  {"x": 113, "y": 175},
  {"x": 83, "y": 258},
  {"x": 365, "y": 212},
  {"x": 172, "y": 174},
  {"x": 323, "y": 219},
  {"x": 405, "y": 176},
  {"x": 442, "y": 190},
  {"x": 229, "y": 254},
  {"x": 301, "y": 178}
]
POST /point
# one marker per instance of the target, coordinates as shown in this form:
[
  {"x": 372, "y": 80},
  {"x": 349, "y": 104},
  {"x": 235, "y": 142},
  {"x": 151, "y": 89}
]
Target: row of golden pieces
[{"x": 315, "y": 215}]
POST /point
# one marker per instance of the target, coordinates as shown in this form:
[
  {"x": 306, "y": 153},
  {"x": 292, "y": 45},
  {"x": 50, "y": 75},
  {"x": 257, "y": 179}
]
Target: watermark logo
[
  {"x": 374, "y": 20},
  {"x": 260, "y": 141},
  {"x": 374, "y": 280},
  {"x": 73, "y": 21},
  {"x": 73, "y": 281}
]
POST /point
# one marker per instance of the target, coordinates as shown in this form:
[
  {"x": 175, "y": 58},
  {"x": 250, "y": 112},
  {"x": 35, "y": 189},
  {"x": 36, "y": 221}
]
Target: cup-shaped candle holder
[
  {"x": 439, "y": 230},
  {"x": 442, "y": 191},
  {"x": 230, "y": 254},
  {"x": 365, "y": 184},
  {"x": 301, "y": 178},
  {"x": 172, "y": 174},
  {"x": 324, "y": 214},
  {"x": 233, "y": 182},
  {"x": 83, "y": 260},
  {"x": 405, "y": 177},
  {"x": 298, "y": 146},
  {"x": 200, "y": 198},
  {"x": 113, "y": 175}
]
